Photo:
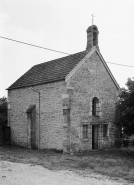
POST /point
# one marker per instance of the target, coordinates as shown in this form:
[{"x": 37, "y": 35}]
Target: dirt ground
[
  {"x": 29, "y": 174},
  {"x": 20, "y": 166}
]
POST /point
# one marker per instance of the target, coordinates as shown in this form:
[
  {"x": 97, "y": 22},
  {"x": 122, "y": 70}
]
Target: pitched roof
[{"x": 54, "y": 70}]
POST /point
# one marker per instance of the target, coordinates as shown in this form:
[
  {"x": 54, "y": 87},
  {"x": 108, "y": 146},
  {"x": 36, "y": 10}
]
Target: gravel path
[{"x": 28, "y": 174}]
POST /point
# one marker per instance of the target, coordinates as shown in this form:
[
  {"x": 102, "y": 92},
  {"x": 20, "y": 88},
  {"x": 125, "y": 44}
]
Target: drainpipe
[
  {"x": 8, "y": 112},
  {"x": 39, "y": 116},
  {"x": 70, "y": 137}
]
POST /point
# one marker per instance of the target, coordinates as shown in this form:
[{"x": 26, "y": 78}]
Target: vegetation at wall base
[{"x": 3, "y": 111}]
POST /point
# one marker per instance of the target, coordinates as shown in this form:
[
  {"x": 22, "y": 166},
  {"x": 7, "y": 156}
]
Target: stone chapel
[{"x": 65, "y": 104}]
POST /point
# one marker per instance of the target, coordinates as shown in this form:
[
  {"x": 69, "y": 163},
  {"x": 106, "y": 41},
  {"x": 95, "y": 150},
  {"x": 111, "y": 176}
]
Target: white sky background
[{"x": 61, "y": 25}]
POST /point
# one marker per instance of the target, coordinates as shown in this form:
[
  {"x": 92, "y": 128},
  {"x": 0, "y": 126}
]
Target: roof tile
[{"x": 54, "y": 70}]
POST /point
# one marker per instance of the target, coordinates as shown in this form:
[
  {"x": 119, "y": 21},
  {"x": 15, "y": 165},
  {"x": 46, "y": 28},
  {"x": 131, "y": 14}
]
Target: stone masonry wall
[
  {"x": 61, "y": 123},
  {"x": 91, "y": 80},
  {"x": 51, "y": 114}
]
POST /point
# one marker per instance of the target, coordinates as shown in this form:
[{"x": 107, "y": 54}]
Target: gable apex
[{"x": 79, "y": 65}]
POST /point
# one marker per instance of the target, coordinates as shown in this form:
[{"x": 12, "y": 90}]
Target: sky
[{"x": 61, "y": 25}]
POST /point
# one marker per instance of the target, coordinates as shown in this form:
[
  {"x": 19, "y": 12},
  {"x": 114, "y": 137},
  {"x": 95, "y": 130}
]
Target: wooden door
[
  {"x": 31, "y": 127},
  {"x": 95, "y": 129}
]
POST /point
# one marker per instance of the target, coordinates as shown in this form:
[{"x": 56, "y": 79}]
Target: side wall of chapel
[{"x": 49, "y": 134}]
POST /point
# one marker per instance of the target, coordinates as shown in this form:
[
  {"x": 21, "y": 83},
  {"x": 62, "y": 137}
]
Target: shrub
[
  {"x": 3, "y": 111},
  {"x": 118, "y": 143}
]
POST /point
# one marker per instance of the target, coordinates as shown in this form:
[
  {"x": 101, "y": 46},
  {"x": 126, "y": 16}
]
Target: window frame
[
  {"x": 95, "y": 101},
  {"x": 105, "y": 130},
  {"x": 85, "y": 131}
]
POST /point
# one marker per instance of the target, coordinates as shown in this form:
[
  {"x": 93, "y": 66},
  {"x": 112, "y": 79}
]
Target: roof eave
[{"x": 24, "y": 86}]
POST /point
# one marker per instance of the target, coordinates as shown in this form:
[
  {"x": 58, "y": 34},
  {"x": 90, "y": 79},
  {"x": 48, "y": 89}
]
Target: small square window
[
  {"x": 85, "y": 131},
  {"x": 105, "y": 127}
]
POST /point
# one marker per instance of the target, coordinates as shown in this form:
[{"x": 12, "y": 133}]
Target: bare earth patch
[{"x": 21, "y": 166}]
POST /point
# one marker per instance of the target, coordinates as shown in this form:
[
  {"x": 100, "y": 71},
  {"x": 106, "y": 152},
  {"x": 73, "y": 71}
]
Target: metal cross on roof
[{"x": 92, "y": 19}]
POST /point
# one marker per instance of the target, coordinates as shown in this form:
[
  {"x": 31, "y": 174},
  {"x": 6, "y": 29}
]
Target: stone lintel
[
  {"x": 65, "y": 107},
  {"x": 64, "y": 96}
]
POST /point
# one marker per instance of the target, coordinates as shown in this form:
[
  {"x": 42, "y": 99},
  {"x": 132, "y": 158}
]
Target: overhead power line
[
  {"x": 55, "y": 50},
  {"x": 33, "y": 45},
  {"x": 120, "y": 64}
]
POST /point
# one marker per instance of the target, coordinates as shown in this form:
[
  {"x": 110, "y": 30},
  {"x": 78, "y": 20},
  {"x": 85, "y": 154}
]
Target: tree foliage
[
  {"x": 3, "y": 111},
  {"x": 125, "y": 108}
]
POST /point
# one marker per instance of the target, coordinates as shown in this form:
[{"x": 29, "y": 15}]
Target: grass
[{"x": 115, "y": 163}]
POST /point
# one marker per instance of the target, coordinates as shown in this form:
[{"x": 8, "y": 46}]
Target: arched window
[{"x": 95, "y": 103}]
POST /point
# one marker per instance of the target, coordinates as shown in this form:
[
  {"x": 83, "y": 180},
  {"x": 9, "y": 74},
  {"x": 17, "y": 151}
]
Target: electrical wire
[
  {"x": 33, "y": 45},
  {"x": 55, "y": 50},
  {"x": 120, "y": 64}
]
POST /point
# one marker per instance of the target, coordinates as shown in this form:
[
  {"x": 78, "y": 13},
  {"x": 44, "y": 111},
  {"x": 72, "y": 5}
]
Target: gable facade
[{"x": 90, "y": 81}]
